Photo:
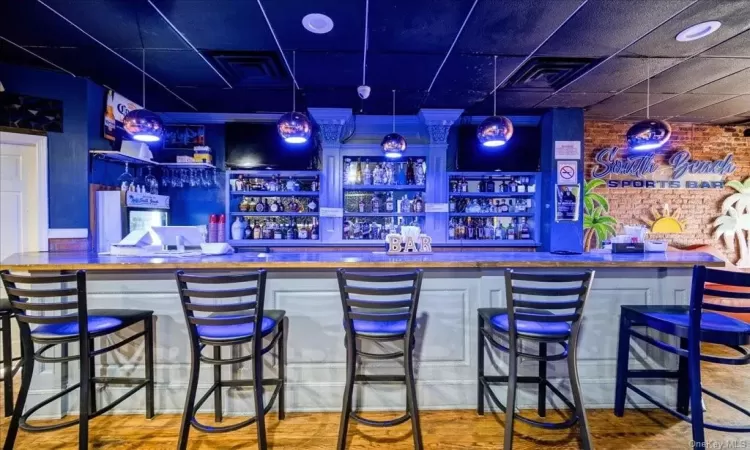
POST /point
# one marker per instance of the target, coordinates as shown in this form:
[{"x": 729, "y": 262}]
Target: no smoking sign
[{"x": 567, "y": 172}]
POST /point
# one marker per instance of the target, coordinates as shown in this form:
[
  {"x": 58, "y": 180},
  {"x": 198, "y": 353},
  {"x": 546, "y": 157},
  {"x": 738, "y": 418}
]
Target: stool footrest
[
  {"x": 491, "y": 380},
  {"x": 380, "y": 423},
  {"x": 380, "y": 379},
  {"x": 216, "y": 390}
]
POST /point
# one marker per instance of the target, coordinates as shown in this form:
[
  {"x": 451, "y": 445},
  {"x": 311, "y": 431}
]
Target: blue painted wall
[{"x": 68, "y": 151}]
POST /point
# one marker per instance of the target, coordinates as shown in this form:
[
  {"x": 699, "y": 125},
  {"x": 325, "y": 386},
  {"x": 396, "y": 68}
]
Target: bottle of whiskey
[
  {"x": 452, "y": 204},
  {"x": 504, "y": 208},
  {"x": 511, "y": 232},
  {"x": 499, "y": 232},
  {"x": 525, "y": 230},
  {"x": 418, "y": 204},
  {"x": 389, "y": 203},
  {"x": 513, "y": 186},
  {"x": 247, "y": 233},
  {"x": 361, "y": 205},
  {"x": 367, "y": 173},
  {"x": 522, "y": 185},
  {"x": 464, "y": 185},
  {"x": 257, "y": 232},
  {"x": 490, "y": 186},
  {"x": 482, "y": 185},
  {"x": 358, "y": 172},
  {"x": 451, "y": 231},
  {"x": 303, "y": 231},
  {"x": 278, "y": 232},
  {"x": 274, "y": 206},
  {"x": 410, "y": 172},
  {"x": 314, "y": 234},
  {"x": 470, "y": 229},
  {"x": 375, "y": 202},
  {"x": 260, "y": 207},
  {"x": 266, "y": 207}
]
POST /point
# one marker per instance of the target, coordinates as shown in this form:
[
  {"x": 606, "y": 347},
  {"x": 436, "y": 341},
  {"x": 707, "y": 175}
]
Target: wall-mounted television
[
  {"x": 521, "y": 153},
  {"x": 259, "y": 146}
]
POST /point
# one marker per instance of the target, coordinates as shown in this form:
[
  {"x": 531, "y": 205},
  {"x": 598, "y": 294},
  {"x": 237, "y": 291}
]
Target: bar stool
[
  {"x": 63, "y": 329},
  {"x": 692, "y": 325},
  {"x": 528, "y": 319},
  {"x": 7, "y": 359},
  {"x": 380, "y": 308},
  {"x": 231, "y": 323}
]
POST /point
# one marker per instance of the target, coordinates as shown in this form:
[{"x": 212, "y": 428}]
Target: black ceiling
[{"x": 551, "y": 53}]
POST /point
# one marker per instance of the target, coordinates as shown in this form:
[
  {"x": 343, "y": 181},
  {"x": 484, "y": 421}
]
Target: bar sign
[{"x": 436, "y": 207}]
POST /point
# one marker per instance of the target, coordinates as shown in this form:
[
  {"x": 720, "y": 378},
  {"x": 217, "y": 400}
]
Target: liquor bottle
[
  {"x": 257, "y": 231},
  {"x": 451, "y": 231},
  {"x": 348, "y": 174},
  {"x": 281, "y": 206},
  {"x": 482, "y": 185},
  {"x": 504, "y": 186},
  {"x": 367, "y": 173},
  {"x": 267, "y": 230},
  {"x": 239, "y": 183},
  {"x": 531, "y": 186},
  {"x": 244, "y": 205},
  {"x": 464, "y": 185},
  {"x": 289, "y": 186},
  {"x": 290, "y": 230},
  {"x": 274, "y": 206},
  {"x": 511, "y": 232},
  {"x": 401, "y": 174},
  {"x": 420, "y": 172},
  {"x": 314, "y": 234},
  {"x": 461, "y": 229},
  {"x": 267, "y": 206},
  {"x": 303, "y": 231},
  {"x": 404, "y": 205},
  {"x": 452, "y": 205},
  {"x": 272, "y": 185},
  {"x": 410, "y": 172},
  {"x": 418, "y": 204},
  {"x": 499, "y": 232},
  {"x": 315, "y": 185},
  {"x": 525, "y": 231},
  {"x": 361, "y": 205},
  {"x": 389, "y": 203},
  {"x": 312, "y": 206},
  {"x": 512, "y": 185},
  {"x": 238, "y": 229},
  {"x": 504, "y": 208},
  {"x": 375, "y": 203},
  {"x": 490, "y": 186},
  {"x": 358, "y": 172},
  {"x": 260, "y": 207},
  {"x": 522, "y": 185},
  {"x": 377, "y": 174},
  {"x": 293, "y": 206},
  {"x": 454, "y": 185},
  {"x": 248, "y": 231},
  {"x": 479, "y": 233},
  {"x": 470, "y": 229}
]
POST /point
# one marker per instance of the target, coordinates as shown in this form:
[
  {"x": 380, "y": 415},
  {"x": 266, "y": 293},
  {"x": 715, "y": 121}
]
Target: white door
[{"x": 23, "y": 197}]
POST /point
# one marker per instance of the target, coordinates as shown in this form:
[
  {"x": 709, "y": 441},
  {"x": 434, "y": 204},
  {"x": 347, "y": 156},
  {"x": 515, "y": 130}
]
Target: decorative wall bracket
[{"x": 438, "y": 123}]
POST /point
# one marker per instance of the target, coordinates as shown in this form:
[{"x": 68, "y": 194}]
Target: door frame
[{"x": 40, "y": 147}]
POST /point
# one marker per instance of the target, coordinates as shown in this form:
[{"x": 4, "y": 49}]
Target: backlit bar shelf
[
  {"x": 274, "y": 214},
  {"x": 112, "y": 155},
  {"x": 277, "y": 193},
  {"x": 493, "y": 214},
  {"x": 491, "y": 194},
  {"x": 383, "y": 187},
  {"x": 383, "y": 214}
]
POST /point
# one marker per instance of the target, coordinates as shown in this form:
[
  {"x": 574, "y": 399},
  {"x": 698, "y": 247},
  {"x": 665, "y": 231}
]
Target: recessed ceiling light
[
  {"x": 317, "y": 23},
  {"x": 698, "y": 31}
]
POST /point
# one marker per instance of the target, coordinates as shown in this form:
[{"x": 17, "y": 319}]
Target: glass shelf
[
  {"x": 383, "y": 187},
  {"x": 277, "y": 193},
  {"x": 495, "y": 214},
  {"x": 274, "y": 214},
  {"x": 382, "y": 214},
  {"x": 491, "y": 194}
]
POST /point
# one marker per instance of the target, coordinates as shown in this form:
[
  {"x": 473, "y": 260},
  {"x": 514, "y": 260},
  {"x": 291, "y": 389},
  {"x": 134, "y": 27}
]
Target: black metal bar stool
[
  {"x": 380, "y": 308},
  {"x": 63, "y": 328},
  {"x": 220, "y": 324},
  {"x": 528, "y": 319},
  {"x": 9, "y": 369}
]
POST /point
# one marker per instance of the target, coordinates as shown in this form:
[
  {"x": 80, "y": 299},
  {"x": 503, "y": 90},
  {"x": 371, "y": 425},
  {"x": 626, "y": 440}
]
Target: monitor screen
[
  {"x": 520, "y": 154},
  {"x": 259, "y": 146}
]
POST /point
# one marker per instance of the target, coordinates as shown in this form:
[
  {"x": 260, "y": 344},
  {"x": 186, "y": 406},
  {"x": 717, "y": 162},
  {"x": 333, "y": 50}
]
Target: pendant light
[
  {"x": 648, "y": 134},
  {"x": 294, "y": 127},
  {"x": 497, "y": 130},
  {"x": 394, "y": 145},
  {"x": 141, "y": 124}
]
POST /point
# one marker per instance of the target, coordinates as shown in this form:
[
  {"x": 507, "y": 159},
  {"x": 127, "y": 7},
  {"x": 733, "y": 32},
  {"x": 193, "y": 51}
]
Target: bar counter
[
  {"x": 304, "y": 285},
  {"x": 354, "y": 260}
]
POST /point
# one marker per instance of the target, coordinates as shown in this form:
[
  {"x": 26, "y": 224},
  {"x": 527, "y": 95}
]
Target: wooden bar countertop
[{"x": 54, "y": 261}]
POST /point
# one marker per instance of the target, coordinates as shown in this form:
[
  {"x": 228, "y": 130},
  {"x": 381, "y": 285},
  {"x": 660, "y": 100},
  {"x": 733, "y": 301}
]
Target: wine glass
[
  {"x": 215, "y": 182},
  {"x": 184, "y": 178},
  {"x": 176, "y": 179},
  {"x": 194, "y": 181},
  {"x": 165, "y": 180},
  {"x": 151, "y": 184},
  {"x": 125, "y": 180}
]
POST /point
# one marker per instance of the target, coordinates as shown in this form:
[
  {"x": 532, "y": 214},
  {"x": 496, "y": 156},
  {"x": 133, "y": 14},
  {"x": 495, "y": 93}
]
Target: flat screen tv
[
  {"x": 520, "y": 154},
  {"x": 258, "y": 146}
]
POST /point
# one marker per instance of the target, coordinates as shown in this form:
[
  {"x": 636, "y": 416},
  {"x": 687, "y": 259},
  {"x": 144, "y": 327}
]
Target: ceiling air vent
[
  {"x": 548, "y": 74},
  {"x": 250, "y": 69}
]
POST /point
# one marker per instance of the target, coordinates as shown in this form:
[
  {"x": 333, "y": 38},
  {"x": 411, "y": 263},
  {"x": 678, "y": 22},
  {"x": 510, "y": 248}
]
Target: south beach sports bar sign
[{"x": 658, "y": 171}]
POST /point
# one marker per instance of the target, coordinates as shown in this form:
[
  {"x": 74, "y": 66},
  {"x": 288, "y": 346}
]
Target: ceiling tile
[
  {"x": 341, "y": 69},
  {"x": 738, "y": 46},
  {"x": 603, "y": 28},
  {"x": 400, "y": 71},
  {"x": 512, "y": 27},
  {"x": 474, "y": 72},
  {"x": 176, "y": 67},
  {"x": 623, "y": 104},
  {"x": 29, "y": 23},
  {"x": 661, "y": 42},
  {"x": 680, "y": 104},
  {"x": 577, "y": 100},
  {"x": 692, "y": 74},
  {"x": 735, "y": 106},
  {"x": 738, "y": 83},
  {"x": 617, "y": 74}
]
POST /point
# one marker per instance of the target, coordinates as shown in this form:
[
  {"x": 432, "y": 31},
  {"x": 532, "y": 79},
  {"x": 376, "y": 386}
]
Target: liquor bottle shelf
[
  {"x": 274, "y": 214},
  {"x": 491, "y": 194},
  {"x": 383, "y": 214},
  {"x": 277, "y": 193},
  {"x": 113, "y": 155},
  {"x": 495, "y": 214},
  {"x": 272, "y": 242},
  {"x": 490, "y": 243},
  {"x": 383, "y": 187},
  {"x": 480, "y": 175}
]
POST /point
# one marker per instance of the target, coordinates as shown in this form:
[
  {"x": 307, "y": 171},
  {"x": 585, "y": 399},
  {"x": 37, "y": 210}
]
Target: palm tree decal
[
  {"x": 595, "y": 220},
  {"x": 735, "y": 221}
]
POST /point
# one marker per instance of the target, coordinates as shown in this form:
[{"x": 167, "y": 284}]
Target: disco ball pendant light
[
  {"x": 497, "y": 130},
  {"x": 394, "y": 145},
  {"x": 141, "y": 124},
  {"x": 648, "y": 134},
  {"x": 294, "y": 127}
]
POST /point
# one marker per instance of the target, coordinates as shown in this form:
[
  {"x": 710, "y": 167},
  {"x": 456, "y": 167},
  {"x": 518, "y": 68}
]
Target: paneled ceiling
[{"x": 594, "y": 54}]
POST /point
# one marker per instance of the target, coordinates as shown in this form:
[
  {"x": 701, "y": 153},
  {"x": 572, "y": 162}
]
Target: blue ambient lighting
[
  {"x": 294, "y": 128},
  {"x": 495, "y": 131},
  {"x": 143, "y": 125},
  {"x": 648, "y": 134}
]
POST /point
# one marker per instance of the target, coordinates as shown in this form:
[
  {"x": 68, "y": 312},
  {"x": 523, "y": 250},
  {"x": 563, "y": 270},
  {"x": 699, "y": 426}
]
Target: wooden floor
[{"x": 441, "y": 429}]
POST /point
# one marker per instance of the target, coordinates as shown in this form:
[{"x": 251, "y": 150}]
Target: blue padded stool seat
[
  {"x": 229, "y": 332},
  {"x": 100, "y": 322},
  {"x": 674, "y": 320},
  {"x": 378, "y": 328},
  {"x": 498, "y": 318}
]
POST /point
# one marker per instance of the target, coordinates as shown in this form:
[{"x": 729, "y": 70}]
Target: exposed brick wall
[{"x": 699, "y": 207}]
